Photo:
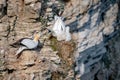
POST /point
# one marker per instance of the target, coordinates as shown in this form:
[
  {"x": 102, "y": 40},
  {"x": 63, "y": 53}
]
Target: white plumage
[
  {"x": 60, "y": 31},
  {"x": 27, "y": 43},
  {"x": 31, "y": 44},
  {"x": 59, "y": 26}
]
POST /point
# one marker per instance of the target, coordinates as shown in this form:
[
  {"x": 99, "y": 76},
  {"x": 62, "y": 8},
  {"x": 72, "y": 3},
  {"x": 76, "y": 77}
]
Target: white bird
[
  {"x": 60, "y": 31},
  {"x": 27, "y": 43},
  {"x": 59, "y": 26}
]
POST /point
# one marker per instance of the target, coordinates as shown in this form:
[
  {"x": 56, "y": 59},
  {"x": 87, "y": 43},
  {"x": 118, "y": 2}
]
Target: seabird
[
  {"x": 59, "y": 26},
  {"x": 61, "y": 31},
  {"x": 27, "y": 43}
]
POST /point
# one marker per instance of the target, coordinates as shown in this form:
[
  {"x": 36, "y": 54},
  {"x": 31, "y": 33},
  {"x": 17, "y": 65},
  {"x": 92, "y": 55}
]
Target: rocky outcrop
[
  {"x": 92, "y": 54},
  {"x": 93, "y": 25}
]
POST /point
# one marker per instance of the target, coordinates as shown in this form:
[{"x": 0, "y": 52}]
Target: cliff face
[
  {"x": 93, "y": 53},
  {"x": 95, "y": 27}
]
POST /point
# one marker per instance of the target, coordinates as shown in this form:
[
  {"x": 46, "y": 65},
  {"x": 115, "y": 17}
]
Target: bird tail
[
  {"x": 15, "y": 45},
  {"x": 20, "y": 50}
]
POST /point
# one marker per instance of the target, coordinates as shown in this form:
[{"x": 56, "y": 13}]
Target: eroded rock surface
[{"x": 92, "y": 54}]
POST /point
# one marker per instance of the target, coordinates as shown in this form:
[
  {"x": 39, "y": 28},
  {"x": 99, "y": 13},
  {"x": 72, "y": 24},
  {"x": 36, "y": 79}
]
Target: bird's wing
[
  {"x": 29, "y": 43},
  {"x": 17, "y": 43},
  {"x": 20, "y": 50},
  {"x": 59, "y": 26}
]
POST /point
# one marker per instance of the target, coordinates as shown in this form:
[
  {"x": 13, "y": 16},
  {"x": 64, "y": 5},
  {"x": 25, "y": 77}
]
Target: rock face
[
  {"x": 93, "y": 25},
  {"x": 92, "y": 54}
]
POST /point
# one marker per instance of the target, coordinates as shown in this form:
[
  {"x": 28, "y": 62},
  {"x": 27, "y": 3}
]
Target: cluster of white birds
[{"x": 60, "y": 31}]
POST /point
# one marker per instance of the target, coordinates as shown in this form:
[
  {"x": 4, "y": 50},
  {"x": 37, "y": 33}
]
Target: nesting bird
[
  {"x": 60, "y": 30},
  {"x": 27, "y": 43}
]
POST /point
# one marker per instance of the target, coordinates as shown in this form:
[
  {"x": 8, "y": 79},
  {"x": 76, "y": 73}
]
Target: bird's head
[{"x": 36, "y": 36}]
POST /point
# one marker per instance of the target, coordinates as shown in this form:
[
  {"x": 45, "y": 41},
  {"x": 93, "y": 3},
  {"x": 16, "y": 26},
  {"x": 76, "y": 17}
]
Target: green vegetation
[
  {"x": 66, "y": 53},
  {"x": 54, "y": 44}
]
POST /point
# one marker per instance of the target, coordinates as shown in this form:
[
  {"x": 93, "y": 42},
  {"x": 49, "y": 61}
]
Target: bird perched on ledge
[
  {"x": 27, "y": 43},
  {"x": 60, "y": 30}
]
